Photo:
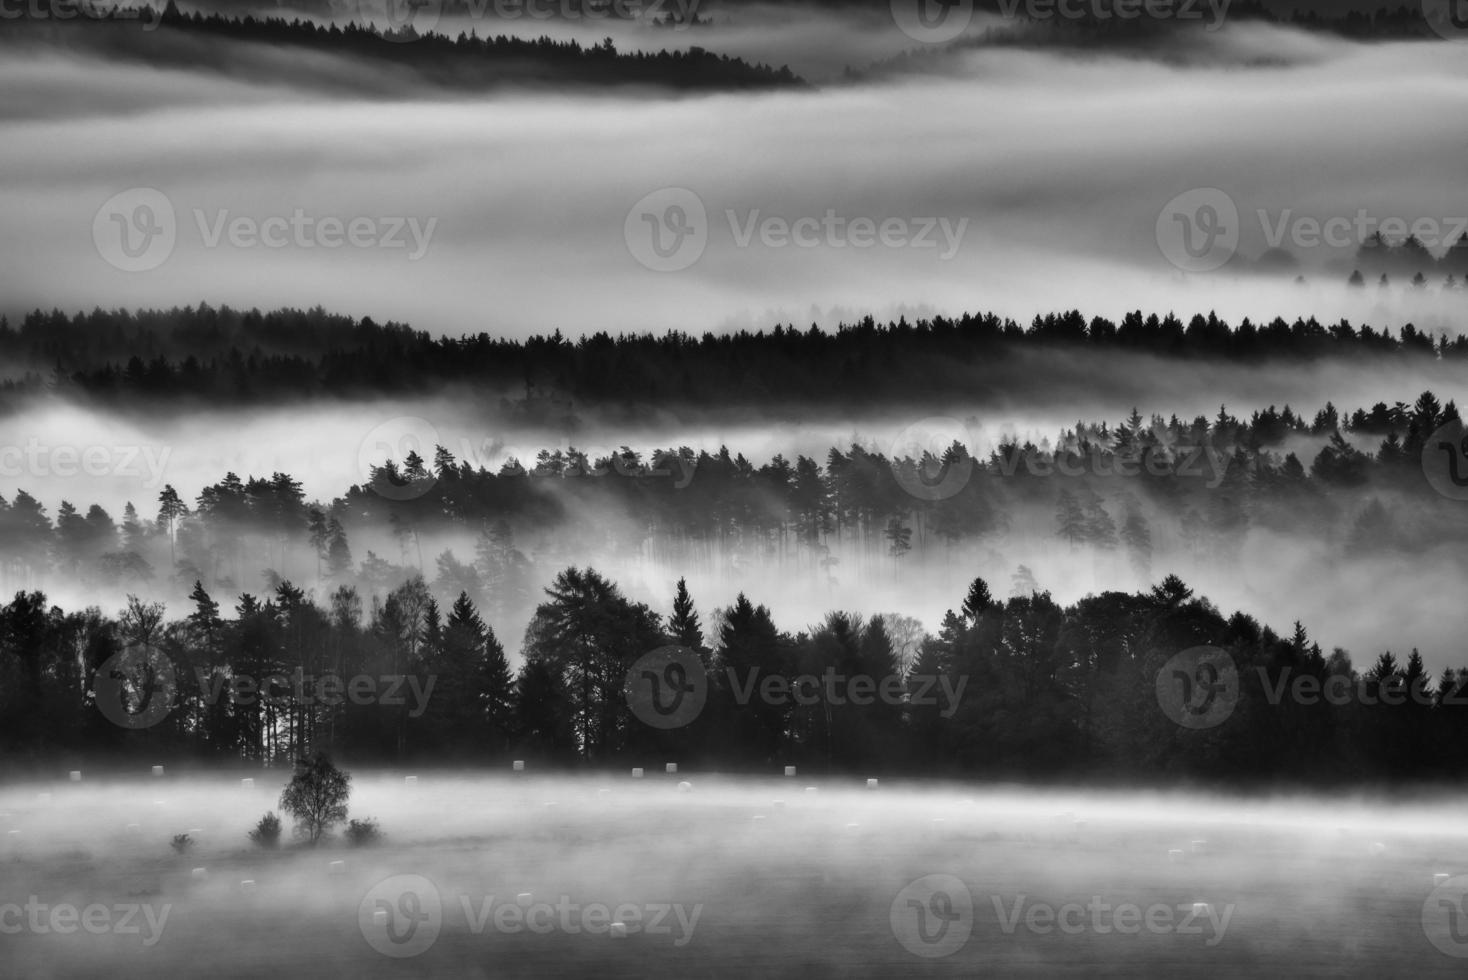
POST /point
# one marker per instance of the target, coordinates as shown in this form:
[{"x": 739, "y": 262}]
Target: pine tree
[
  {"x": 338, "y": 552},
  {"x": 684, "y": 624},
  {"x": 1070, "y": 521},
  {"x": 978, "y": 599}
]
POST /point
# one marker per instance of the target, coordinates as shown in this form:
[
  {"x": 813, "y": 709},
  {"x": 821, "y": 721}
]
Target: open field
[{"x": 729, "y": 882}]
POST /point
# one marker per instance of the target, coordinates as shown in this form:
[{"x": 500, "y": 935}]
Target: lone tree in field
[{"x": 317, "y": 796}]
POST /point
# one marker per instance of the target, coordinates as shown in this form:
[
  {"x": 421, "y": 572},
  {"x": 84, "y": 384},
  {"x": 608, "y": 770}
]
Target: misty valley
[{"x": 850, "y": 488}]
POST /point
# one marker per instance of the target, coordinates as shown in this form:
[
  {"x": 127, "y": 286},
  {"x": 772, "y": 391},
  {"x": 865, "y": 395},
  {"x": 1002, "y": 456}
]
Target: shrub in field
[
  {"x": 267, "y": 831},
  {"x": 182, "y": 843},
  {"x": 363, "y": 833},
  {"x": 316, "y": 797}
]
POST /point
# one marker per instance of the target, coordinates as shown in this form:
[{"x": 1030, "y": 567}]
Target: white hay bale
[
  {"x": 871, "y": 784},
  {"x": 518, "y": 765},
  {"x": 133, "y": 828},
  {"x": 524, "y": 899},
  {"x": 853, "y": 826},
  {"x": 248, "y": 885},
  {"x": 410, "y": 780},
  {"x": 1199, "y": 847},
  {"x": 336, "y": 868},
  {"x": 247, "y": 783},
  {"x": 789, "y": 770},
  {"x": 199, "y": 874},
  {"x": 671, "y": 768},
  {"x": 157, "y": 770},
  {"x": 756, "y": 819},
  {"x": 1202, "y": 908},
  {"x": 196, "y": 830},
  {"x": 778, "y": 804},
  {"x": 619, "y": 930},
  {"x": 685, "y": 787},
  {"x": 811, "y": 791},
  {"x": 159, "y": 803},
  {"x": 75, "y": 775},
  {"x": 603, "y": 792},
  {"x": 379, "y": 917},
  {"x": 1378, "y": 849},
  {"x": 1175, "y": 856},
  {"x": 1440, "y": 879},
  {"x": 636, "y": 773}
]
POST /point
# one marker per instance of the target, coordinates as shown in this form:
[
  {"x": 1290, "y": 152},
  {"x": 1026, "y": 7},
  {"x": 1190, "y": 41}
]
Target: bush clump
[
  {"x": 182, "y": 843},
  {"x": 267, "y": 831},
  {"x": 363, "y": 833}
]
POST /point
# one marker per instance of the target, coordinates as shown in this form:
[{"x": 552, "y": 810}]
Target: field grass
[{"x": 1311, "y": 887}]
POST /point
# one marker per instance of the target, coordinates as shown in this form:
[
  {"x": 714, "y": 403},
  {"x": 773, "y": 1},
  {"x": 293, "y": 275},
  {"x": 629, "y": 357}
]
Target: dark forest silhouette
[
  {"x": 229, "y": 356},
  {"x": 1049, "y": 691},
  {"x": 464, "y": 62}
]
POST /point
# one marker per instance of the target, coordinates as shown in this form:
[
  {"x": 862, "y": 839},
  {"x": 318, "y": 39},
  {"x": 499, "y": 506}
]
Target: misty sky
[{"x": 1055, "y": 168}]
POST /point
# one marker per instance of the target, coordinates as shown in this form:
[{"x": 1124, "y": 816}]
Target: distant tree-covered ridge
[
  {"x": 1123, "y": 498},
  {"x": 243, "y": 357},
  {"x": 466, "y": 61}
]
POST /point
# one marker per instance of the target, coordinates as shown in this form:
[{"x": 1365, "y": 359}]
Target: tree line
[
  {"x": 1137, "y": 494},
  {"x": 1018, "y": 687},
  {"x": 246, "y": 357},
  {"x": 466, "y": 60}
]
